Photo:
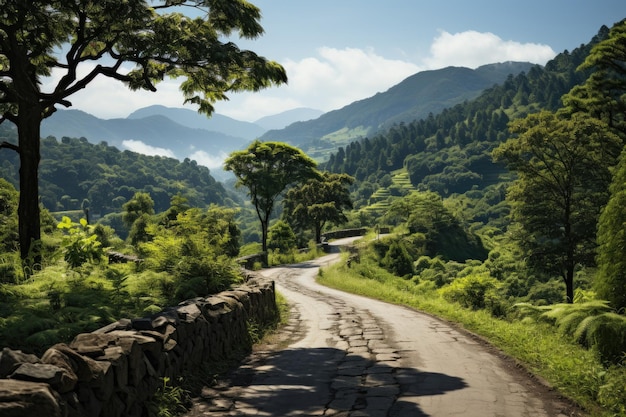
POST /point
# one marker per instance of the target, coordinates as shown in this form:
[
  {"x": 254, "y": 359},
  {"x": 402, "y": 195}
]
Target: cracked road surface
[{"x": 351, "y": 356}]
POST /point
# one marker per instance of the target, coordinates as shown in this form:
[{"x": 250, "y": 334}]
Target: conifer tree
[{"x": 611, "y": 279}]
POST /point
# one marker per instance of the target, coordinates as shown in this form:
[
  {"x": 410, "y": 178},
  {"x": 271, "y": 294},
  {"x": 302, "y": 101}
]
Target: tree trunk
[
  {"x": 264, "y": 242},
  {"x": 318, "y": 233},
  {"x": 569, "y": 285},
  {"x": 29, "y": 124}
]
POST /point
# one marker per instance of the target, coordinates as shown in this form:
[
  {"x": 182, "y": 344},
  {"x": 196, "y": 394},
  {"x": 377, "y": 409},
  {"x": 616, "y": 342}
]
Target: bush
[
  {"x": 470, "y": 291},
  {"x": 398, "y": 261},
  {"x": 79, "y": 245}
]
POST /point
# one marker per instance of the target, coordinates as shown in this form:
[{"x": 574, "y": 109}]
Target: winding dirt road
[{"x": 347, "y": 355}]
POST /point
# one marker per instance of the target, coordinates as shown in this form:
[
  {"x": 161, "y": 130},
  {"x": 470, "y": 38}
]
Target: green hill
[{"x": 414, "y": 98}]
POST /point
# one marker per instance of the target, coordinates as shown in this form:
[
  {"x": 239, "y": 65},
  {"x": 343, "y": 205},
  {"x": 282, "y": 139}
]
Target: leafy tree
[
  {"x": 319, "y": 201},
  {"x": 397, "y": 260},
  {"x": 141, "y": 203},
  {"x": 267, "y": 169},
  {"x": 281, "y": 237},
  {"x": 435, "y": 227},
  {"x": 152, "y": 37},
  {"x": 602, "y": 94},
  {"x": 563, "y": 175},
  {"x": 611, "y": 279}
]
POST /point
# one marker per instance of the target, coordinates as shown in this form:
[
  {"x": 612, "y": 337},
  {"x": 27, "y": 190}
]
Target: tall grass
[{"x": 576, "y": 372}]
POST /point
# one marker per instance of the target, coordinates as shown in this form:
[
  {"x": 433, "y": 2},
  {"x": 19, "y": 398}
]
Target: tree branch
[{"x": 11, "y": 146}]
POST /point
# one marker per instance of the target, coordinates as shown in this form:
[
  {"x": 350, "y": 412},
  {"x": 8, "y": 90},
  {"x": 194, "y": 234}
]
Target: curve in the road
[{"x": 351, "y": 356}]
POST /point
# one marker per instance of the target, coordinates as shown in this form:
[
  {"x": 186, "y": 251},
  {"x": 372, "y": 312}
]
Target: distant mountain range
[
  {"x": 414, "y": 98},
  {"x": 183, "y": 133}
]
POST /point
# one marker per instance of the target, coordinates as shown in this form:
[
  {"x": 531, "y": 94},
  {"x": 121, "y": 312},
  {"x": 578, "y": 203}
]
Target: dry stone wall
[{"x": 114, "y": 371}]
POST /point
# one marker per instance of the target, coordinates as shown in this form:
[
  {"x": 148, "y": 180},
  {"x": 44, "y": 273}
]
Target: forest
[{"x": 509, "y": 206}]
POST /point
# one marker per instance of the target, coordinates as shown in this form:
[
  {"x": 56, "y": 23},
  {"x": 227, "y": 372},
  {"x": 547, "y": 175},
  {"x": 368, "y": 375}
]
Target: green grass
[{"x": 574, "y": 371}]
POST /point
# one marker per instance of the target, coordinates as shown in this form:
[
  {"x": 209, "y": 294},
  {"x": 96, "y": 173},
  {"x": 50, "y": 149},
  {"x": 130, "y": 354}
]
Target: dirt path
[{"x": 347, "y": 355}]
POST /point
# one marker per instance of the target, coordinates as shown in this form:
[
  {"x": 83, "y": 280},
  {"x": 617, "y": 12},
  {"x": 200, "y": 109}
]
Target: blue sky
[{"x": 339, "y": 51}]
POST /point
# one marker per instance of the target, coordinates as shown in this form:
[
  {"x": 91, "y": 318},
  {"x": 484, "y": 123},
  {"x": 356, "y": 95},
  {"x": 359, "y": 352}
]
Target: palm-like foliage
[{"x": 593, "y": 324}]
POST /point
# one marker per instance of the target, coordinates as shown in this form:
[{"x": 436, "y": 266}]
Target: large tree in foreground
[
  {"x": 136, "y": 42},
  {"x": 266, "y": 169},
  {"x": 563, "y": 173}
]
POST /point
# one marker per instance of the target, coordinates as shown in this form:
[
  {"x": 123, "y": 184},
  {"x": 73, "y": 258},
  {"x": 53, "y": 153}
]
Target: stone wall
[
  {"x": 339, "y": 234},
  {"x": 114, "y": 371}
]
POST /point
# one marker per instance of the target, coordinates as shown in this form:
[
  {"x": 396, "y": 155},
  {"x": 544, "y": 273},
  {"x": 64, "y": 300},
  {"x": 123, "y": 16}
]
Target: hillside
[
  {"x": 192, "y": 119},
  {"x": 450, "y": 153},
  {"x": 414, "y": 98},
  {"x": 170, "y": 131},
  {"x": 73, "y": 170},
  {"x": 155, "y": 130},
  {"x": 281, "y": 120}
]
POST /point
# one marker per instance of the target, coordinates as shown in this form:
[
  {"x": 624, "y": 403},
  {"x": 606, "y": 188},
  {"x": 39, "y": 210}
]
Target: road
[{"x": 349, "y": 356}]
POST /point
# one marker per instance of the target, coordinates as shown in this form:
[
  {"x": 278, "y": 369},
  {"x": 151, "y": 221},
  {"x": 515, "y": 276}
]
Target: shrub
[
  {"x": 398, "y": 261},
  {"x": 79, "y": 246},
  {"x": 470, "y": 291}
]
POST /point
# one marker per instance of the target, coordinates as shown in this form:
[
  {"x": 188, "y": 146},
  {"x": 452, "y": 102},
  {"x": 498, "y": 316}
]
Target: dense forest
[
  {"x": 76, "y": 175},
  {"x": 510, "y": 204},
  {"x": 450, "y": 152}
]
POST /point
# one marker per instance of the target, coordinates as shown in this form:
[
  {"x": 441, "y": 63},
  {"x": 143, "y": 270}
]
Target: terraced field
[{"x": 382, "y": 198}]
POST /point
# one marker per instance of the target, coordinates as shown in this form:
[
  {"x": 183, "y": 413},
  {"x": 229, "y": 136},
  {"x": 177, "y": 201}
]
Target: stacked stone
[{"x": 115, "y": 370}]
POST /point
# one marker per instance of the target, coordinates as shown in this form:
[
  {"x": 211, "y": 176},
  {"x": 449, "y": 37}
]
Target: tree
[
  {"x": 602, "y": 94},
  {"x": 267, "y": 169},
  {"x": 319, "y": 201},
  {"x": 398, "y": 261},
  {"x": 611, "y": 279},
  {"x": 281, "y": 237},
  {"x": 85, "y": 39},
  {"x": 563, "y": 175},
  {"x": 140, "y": 204}
]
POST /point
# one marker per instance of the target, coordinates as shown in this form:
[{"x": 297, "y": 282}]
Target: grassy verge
[{"x": 574, "y": 371}]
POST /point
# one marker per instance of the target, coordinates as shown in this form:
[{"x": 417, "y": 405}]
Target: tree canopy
[
  {"x": 266, "y": 169},
  {"x": 81, "y": 40},
  {"x": 319, "y": 201},
  {"x": 563, "y": 175},
  {"x": 611, "y": 280}
]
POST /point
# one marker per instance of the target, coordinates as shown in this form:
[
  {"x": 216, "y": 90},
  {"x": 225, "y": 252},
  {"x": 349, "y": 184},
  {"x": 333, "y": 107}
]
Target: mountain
[
  {"x": 281, "y": 120},
  {"x": 156, "y": 131},
  {"x": 174, "y": 131},
  {"x": 450, "y": 153},
  {"x": 193, "y": 119},
  {"x": 414, "y": 98}
]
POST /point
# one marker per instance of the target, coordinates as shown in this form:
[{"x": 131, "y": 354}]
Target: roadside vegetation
[{"x": 550, "y": 341}]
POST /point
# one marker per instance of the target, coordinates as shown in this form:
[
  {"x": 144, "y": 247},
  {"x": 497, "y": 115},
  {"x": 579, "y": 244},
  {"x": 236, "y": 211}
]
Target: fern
[
  {"x": 606, "y": 333},
  {"x": 559, "y": 314},
  {"x": 593, "y": 324},
  {"x": 528, "y": 311}
]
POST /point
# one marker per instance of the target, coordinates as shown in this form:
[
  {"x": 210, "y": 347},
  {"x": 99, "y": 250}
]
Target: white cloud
[
  {"x": 472, "y": 49},
  {"x": 107, "y": 98},
  {"x": 140, "y": 147},
  {"x": 329, "y": 80},
  {"x": 334, "y": 78},
  {"x": 209, "y": 161}
]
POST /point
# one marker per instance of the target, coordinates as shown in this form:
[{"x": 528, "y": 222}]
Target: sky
[{"x": 336, "y": 52}]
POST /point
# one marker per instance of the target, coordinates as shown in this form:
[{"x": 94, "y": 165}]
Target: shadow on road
[{"x": 301, "y": 382}]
